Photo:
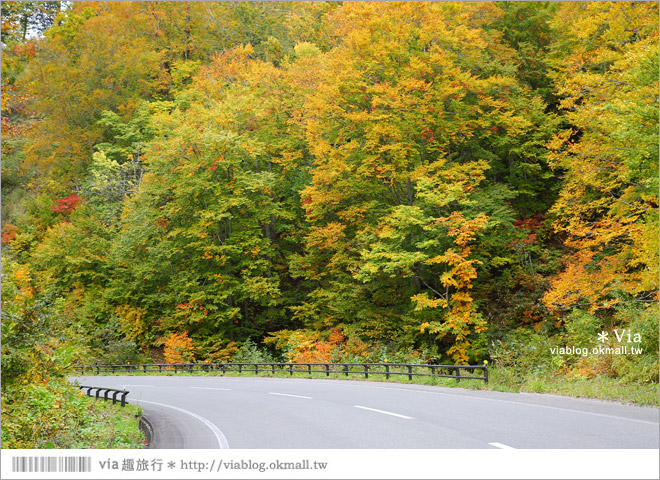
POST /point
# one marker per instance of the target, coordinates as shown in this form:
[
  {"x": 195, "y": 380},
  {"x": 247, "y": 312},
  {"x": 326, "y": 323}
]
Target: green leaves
[
  {"x": 230, "y": 170},
  {"x": 608, "y": 203}
]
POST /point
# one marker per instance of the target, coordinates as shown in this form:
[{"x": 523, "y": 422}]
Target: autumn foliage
[
  {"x": 178, "y": 348},
  {"x": 333, "y": 180},
  {"x": 67, "y": 204}
]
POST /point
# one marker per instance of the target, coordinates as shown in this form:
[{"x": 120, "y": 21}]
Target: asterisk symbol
[
  {"x": 171, "y": 465},
  {"x": 602, "y": 336}
]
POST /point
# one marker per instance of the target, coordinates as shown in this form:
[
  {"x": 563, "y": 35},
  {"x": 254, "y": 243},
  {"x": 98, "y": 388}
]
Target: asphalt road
[{"x": 243, "y": 412}]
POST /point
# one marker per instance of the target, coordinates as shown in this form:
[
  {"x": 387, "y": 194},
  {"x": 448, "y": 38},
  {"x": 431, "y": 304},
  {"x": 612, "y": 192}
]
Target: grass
[
  {"x": 55, "y": 414},
  {"x": 113, "y": 427},
  {"x": 500, "y": 379}
]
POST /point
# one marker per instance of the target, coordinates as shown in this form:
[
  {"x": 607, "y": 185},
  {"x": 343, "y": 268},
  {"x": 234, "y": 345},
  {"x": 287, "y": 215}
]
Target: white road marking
[
  {"x": 501, "y": 445},
  {"x": 220, "y": 437},
  {"x": 383, "y": 411},
  {"x": 289, "y": 395},
  {"x": 655, "y": 424},
  {"x": 212, "y": 388}
]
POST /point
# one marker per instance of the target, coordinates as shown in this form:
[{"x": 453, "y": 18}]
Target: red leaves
[
  {"x": 66, "y": 205},
  {"x": 530, "y": 225},
  {"x": 9, "y": 232}
]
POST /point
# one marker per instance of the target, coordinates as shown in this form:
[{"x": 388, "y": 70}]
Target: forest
[{"x": 445, "y": 182}]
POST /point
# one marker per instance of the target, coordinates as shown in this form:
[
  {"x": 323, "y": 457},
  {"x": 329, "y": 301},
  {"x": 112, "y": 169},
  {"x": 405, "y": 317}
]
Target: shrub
[
  {"x": 525, "y": 350},
  {"x": 249, "y": 352},
  {"x": 179, "y": 348}
]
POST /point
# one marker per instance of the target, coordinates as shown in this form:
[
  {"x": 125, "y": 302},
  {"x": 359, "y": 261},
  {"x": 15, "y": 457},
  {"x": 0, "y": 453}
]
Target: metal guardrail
[
  {"x": 366, "y": 369},
  {"x": 107, "y": 391}
]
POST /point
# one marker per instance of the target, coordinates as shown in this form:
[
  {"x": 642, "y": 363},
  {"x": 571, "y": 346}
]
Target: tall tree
[
  {"x": 416, "y": 104},
  {"x": 606, "y": 69}
]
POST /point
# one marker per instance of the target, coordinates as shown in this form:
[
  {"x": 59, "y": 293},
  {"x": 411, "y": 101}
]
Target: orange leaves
[
  {"x": 318, "y": 352},
  {"x": 336, "y": 337},
  {"x": 178, "y": 348},
  {"x": 591, "y": 277},
  {"x": 467, "y": 229},
  {"x": 9, "y": 232},
  {"x": 612, "y": 165},
  {"x": 305, "y": 346}
]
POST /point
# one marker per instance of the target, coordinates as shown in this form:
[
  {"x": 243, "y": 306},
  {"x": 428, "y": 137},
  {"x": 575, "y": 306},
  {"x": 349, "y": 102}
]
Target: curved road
[{"x": 244, "y": 412}]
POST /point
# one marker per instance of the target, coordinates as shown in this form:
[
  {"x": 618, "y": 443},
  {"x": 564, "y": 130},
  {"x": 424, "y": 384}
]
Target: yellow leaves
[
  {"x": 132, "y": 321},
  {"x": 306, "y": 50},
  {"x": 326, "y": 237},
  {"x": 422, "y": 301},
  {"x": 24, "y": 282},
  {"x": 601, "y": 207}
]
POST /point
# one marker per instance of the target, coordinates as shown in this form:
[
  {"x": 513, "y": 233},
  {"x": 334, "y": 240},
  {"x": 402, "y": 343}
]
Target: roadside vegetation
[
  {"x": 445, "y": 182},
  {"x": 524, "y": 363},
  {"x": 500, "y": 379},
  {"x": 40, "y": 408},
  {"x": 58, "y": 415}
]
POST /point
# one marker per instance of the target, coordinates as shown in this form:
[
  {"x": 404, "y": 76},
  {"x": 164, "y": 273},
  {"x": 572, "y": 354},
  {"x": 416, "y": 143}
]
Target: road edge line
[{"x": 220, "y": 437}]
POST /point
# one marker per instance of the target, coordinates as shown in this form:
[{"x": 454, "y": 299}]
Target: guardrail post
[
  {"x": 98, "y": 392},
  {"x": 105, "y": 395},
  {"x": 114, "y": 397},
  {"x": 123, "y": 399},
  {"x": 432, "y": 370}
]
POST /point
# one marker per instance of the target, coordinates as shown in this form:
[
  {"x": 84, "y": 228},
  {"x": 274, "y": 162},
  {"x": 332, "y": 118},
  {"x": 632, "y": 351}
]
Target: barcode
[{"x": 51, "y": 464}]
